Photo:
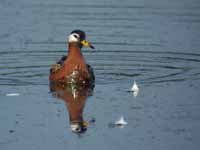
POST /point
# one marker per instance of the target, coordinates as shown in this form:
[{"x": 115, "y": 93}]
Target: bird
[{"x": 73, "y": 68}]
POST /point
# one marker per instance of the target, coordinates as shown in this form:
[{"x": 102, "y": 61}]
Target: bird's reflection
[{"x": 75, "y": 99}]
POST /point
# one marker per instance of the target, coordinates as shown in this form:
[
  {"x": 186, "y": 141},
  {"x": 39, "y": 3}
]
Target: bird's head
[{"x": 79, "y": 37}]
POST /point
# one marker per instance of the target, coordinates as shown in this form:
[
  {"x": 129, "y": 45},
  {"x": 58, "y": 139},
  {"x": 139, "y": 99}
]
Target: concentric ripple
[
  {"x": 109, "y": 65},
  {"x": 148, "y": 67},
  {"x": 151, "y": 43}
]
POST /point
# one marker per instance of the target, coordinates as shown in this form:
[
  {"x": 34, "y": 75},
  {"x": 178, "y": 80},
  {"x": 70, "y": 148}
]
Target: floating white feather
[
  {"x": 135, "y": 89},
  {"x": 121, "y": 122}
]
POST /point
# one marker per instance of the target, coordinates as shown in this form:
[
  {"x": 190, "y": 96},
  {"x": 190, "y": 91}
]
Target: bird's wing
[
  {"x": 91, "y": 72},
  {"x": 58, "y": 65},
  {"x": 61, "y": 61}
]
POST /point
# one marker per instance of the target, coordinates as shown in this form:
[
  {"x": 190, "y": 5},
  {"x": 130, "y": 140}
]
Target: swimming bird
[{"x": 73, "y": 67}]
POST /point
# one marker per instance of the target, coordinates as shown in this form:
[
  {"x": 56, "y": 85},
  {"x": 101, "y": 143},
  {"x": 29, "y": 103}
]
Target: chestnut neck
[{"x": 74, "y": 50}]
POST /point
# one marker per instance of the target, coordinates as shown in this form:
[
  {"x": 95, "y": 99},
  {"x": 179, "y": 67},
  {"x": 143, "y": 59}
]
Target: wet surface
[{"x": 152, "y": 42}]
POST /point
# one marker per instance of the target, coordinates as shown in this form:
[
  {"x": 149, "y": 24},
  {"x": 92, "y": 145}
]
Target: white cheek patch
[{"x": 72, "y": 37}]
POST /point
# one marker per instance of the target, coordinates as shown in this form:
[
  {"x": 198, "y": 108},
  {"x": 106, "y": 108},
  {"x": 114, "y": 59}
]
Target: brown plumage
[{"x": 73, "y": 68}]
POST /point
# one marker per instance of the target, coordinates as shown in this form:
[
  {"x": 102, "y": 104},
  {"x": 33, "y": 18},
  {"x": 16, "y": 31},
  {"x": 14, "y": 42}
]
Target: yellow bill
[{"x": 87, "y": 44}]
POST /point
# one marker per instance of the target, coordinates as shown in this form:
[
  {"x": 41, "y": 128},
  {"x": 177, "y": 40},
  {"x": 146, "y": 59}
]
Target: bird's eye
[{"x": 75, "y": 36}]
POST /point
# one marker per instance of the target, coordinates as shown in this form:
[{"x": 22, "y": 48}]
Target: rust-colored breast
[{"x": 72, "y": 69}]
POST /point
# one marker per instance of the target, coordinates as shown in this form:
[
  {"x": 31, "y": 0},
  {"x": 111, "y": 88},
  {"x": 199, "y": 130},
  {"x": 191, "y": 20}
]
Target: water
[{"x": 155, "y": 43}]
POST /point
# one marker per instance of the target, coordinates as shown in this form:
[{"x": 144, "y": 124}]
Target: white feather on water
[
  {"x": 135, "y": 89},
  {"x": 121, "y": 122}
]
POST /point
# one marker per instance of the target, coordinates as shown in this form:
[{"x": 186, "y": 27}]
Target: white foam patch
[{"x": 12, "y": 94}]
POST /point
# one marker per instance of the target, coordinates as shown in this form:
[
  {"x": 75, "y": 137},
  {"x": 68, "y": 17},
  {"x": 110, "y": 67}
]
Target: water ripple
[
  {"x": 146, "y": 66},
  {"x": 133, "y": 41}
]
